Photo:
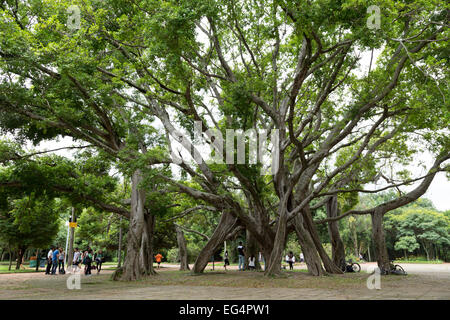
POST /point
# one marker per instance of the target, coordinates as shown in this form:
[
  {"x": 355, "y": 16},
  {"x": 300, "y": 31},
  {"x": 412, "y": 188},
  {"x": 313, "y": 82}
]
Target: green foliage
[{"x": 30, "y": 221}]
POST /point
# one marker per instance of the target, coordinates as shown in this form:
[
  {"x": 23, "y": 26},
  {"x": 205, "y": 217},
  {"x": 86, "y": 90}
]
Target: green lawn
[{"x": 4, "y": 269}]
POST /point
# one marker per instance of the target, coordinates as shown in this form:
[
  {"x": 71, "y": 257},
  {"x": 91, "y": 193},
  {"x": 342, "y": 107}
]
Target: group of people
[
  {"x": 290, "y": 259},
  {"x": 241, "y": 257},
  {"x": 87, "y": 258},
  {"x": 56, "y": 257}
]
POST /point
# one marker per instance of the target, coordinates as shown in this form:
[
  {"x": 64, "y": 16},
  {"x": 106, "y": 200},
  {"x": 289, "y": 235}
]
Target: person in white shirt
[
  {"x": 49, "y": 260},
  {"x": 302, "y": 258},
  {"x": 76, "y": 260},
  {"x": 251, "y": 262}
]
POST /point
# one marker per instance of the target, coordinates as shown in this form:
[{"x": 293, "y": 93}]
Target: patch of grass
[{"x": 4, "y": 269}]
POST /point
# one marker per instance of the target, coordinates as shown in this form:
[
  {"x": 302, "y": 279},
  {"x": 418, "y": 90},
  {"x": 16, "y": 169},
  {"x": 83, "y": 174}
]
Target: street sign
[{"x": 73, "y": 224}]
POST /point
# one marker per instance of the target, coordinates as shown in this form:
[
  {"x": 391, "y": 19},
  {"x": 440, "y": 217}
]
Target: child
[
  {"x": 227, "y": 262},
  {"x": 251, "y": 262}
]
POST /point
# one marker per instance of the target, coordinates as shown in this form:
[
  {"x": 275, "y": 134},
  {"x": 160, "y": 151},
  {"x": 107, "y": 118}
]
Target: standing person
[
  {"x": 55, "y": 260},
  {"x": 261, "y": 259},
  {"x": 227, "y": 262},
  {"x": 83, "y": 260},
  {"x": 241, "y": 254},
  {"x": 158, "y": 259},
  {"x": 88, "y": 262},
  {"x": 49, "y": 260},
  {"x": 291, "y": 260},
  {"x": 61, "y": 257},
  {"x": 76, "y": 260},
  {"x": 302, "y": 258},
  {"x": 99, "y": 260},
  {"x": 251, "y": 262}
]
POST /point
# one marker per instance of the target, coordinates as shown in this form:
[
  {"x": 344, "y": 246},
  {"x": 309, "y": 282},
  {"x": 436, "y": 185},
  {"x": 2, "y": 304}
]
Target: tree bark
[
  {"x": 10, "y": 258},
  {"x": 182, "y": 249},
  {"x": 38, "y": 259},
  {"x": 274, "y": 263},
  {"x": 309, "y": 250},
  {"x": 146, "y": 249},
  {"x": 337, "y": 245},
  {"x": 20, "y": 254},
  {"x": 380, "y": 241},
  {"x": 119, "y": 255},
  {"x": 226, "y": 224},
  {"x": 330, "y": 267},
  {"x": 133, "y": 268},
  {"x": 251, "y": 248}
]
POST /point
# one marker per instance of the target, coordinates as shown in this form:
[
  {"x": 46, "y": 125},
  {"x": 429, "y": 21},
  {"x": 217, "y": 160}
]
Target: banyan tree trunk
[
  {"x": 226, "y": 224},
  {"x": 251, "y": 248},
  {"x": 312, "y": 258},
  {"x": 20, "y": 254},
  {"x": 273, "y": 266},
  {"x": 330, "y": 267},
  {"x": 146, "y": 250},
  {"x": 134, "y": 267},
  {"x": 182, "y": 249},
  {"x": 380, "y": 241},
  {"x": 337, "y": 246}
]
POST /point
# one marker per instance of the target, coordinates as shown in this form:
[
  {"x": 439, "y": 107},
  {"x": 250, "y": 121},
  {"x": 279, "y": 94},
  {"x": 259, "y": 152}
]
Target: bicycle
[
  {"x": 350, "y": 266},
  {"x": 394, "y": 269}
]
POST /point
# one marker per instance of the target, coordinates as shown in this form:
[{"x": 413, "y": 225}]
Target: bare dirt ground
[{"x": 425, "y": 281}]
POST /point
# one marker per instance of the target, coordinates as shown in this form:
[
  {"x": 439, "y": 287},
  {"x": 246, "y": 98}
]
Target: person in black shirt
[{"x": 241, "y": 254}]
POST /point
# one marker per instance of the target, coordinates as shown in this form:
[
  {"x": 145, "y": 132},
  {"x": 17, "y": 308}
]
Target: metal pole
[
  {"x": 67, "y": 243},
  {"x": 71, "y": 242}
]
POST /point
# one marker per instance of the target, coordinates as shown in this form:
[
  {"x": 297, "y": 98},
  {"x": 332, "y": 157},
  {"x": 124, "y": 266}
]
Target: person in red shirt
[{"x": 158, "y": 258}]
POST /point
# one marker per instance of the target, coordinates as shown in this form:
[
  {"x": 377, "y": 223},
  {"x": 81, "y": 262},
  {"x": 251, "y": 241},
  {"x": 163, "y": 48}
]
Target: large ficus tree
[{"x": 297, "y": 67}]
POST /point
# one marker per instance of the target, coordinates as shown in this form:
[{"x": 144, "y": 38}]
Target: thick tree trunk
[
  {"x": 309, "y": 250},
  {"x": 38, "y": 259},
  {"x": 226, "y": 224},
  {"x": 10, "y": 258},
  {"x": 330, "y": 267},
  {"x": 119, "y": 255},
  {"x": 251, "y": 248},
  {"x": 134, "y": 268},
  {"x": 274, "y": 264},
  {"x": 146, "y": 249},
  {"x": 337, "y": 246},
  {"x": 380, "y": 241},
  {"x": 20, "y": 254},
  {"x": 182, "y": 249}
]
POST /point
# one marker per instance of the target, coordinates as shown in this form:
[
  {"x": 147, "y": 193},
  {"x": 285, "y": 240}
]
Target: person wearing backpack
[
  {"x": 88, "y": 262},
  {"x": 76, "y": 260},
  {"x": 99, "y": 260}
]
